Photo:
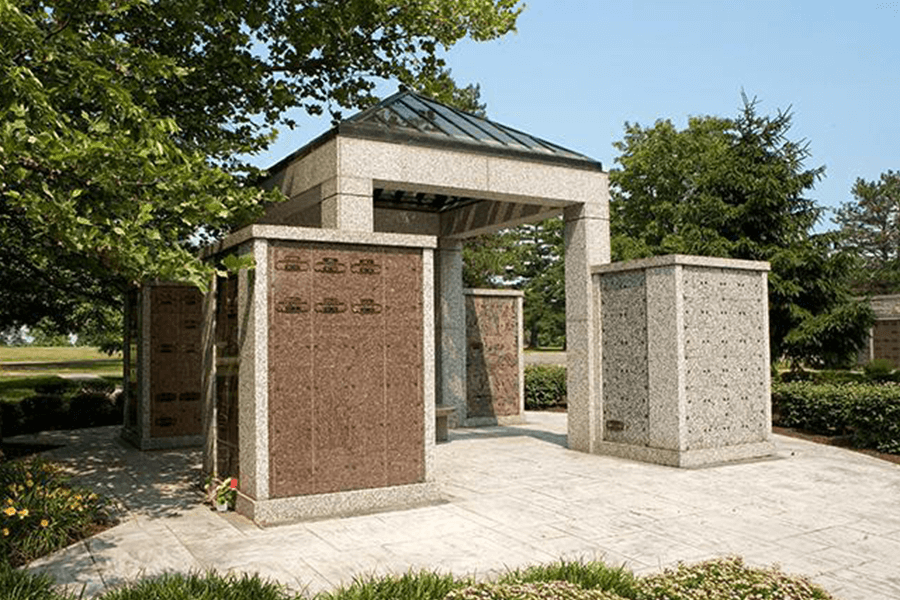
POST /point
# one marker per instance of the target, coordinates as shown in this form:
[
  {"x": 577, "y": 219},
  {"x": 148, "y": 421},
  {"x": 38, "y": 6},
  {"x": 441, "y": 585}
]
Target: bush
[
  {"x": 819, "y": 408},
  {"x": 92, "y": 409},
  {"x": 540, "y": 590},
  {"x": 41, "y": 413},
  {"x": 880, "y": 369},
  {"x": 210, "y": 586},
  {"x": 40, "y": 513},
  {"x": 545, "y": 386},
  {"x": 587, "y": 575},
  {"x": 871, "y": 412},
  {"x": 22, "y": 585},
  {"x": 726, "y": 579},
  {"x": 422, "y": 585}
]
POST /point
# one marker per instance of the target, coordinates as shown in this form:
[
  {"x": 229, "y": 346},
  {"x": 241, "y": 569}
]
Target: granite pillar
[
  {"x": 451, "y": 331},
  {"x": 586, "y": 245}
]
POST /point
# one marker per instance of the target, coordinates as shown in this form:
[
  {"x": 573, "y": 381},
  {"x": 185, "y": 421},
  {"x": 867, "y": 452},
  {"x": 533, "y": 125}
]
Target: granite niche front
[
  {"x": 324, "y": 391},
  {"x": 685, "y": 360}
]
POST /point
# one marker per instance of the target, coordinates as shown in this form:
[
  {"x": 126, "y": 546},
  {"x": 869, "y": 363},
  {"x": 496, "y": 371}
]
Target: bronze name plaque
[
  {"x": 292, "y": 263},
  {"x": 613, "y": 425},
  {"x": 331, "y": 306},
  {"x": 166, "y": 397},
  {"x": 330, "y": 265},
  {"x": 164, "y": 421},
  {"x": 367, "y": 306},
  {"x": 366, "y": 266},
  {"x": 292, "y": 305}
]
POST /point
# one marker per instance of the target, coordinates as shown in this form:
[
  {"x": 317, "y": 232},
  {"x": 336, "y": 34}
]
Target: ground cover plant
[
  {"x": 40, "y": 512},
  {"x": 718, "y": 579}
]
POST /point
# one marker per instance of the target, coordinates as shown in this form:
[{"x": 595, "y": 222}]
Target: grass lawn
[{"x": 61, "y": 360}]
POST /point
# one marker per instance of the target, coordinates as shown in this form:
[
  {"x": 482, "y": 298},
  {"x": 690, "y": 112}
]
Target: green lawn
[{"x": 61, "y": 360}]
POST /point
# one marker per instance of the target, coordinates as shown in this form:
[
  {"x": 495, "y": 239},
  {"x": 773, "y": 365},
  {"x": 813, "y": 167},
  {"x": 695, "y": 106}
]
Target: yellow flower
[
  {"x": 44, "y": 522},
  {"x": 5, "y": 532},
  {"x": 10, "y": 511},
  {"x": 29, "y": 483},
  {"x": 9, "y": 501},
  {"x": 23, "y": 513}
]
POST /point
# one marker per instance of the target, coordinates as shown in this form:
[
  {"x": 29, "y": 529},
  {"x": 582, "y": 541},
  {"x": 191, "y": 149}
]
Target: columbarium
[{"x": 326, "y": 361}]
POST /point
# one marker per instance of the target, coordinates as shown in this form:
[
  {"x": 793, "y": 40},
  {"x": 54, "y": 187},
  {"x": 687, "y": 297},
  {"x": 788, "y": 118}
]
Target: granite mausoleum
[{"x": 325, "y": 366}]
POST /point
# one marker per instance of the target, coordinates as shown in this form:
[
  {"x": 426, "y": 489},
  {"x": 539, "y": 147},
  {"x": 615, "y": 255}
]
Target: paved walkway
[{"x": 514, "y": 496}]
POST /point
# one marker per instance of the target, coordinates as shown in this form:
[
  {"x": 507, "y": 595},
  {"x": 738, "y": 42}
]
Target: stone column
[
  {"x": 347, "y": 204},
  {"x": 450, "y": 326},
  {"x": 587, "y": 244},
  {"x": 253, "y": 386}
]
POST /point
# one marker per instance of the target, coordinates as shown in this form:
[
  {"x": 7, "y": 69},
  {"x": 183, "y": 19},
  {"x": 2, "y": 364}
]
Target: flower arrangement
[{"x": 223, "y": 495}]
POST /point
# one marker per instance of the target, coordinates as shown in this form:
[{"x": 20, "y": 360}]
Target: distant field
[{"x": 62, "y": 360}]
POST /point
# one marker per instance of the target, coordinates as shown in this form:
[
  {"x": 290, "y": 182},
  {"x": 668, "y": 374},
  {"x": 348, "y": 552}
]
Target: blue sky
[{"x": 577, "y": 70}]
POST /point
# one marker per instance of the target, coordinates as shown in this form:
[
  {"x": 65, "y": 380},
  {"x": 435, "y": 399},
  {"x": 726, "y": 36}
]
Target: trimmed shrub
[
  {"x": 819, "y": 408},
  {"x": 545, "y": 386},
  {"x": 870, "y": 411},
  {"x": 727, "y": 579},
  {"x": 875, "y": 418},
  {"x": 92, "y": 409},
  {"x": 43, "y": 412}
]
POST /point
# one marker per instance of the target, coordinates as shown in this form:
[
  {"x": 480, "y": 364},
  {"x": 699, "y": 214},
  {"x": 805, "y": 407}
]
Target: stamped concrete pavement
[{"x": 513, "y": 496}]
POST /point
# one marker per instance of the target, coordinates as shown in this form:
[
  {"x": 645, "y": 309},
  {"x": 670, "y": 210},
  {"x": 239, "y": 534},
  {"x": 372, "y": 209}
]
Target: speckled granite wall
[
  {"x": 626, "y": 402},
  {"x": 493, "y": 352},
  {"x": 685, "y": 360},
  {"x": 345, "y": 359}
]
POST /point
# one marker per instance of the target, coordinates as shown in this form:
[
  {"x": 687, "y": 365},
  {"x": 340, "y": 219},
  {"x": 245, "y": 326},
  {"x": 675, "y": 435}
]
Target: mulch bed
[{"x": 842, "y": 441}]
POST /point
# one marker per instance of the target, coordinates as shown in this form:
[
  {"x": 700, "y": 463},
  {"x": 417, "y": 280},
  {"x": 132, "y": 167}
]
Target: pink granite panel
[{"x": 492, "y": 356}]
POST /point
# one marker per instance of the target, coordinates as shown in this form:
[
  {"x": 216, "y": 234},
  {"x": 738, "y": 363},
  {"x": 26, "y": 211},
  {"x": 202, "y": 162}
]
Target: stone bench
[{"x": 441, "y": 415}]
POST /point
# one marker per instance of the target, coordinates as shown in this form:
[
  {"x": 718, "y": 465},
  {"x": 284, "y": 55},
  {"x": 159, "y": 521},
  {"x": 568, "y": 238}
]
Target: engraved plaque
[
  {"x": 367, "y": 306},
  {"x": 366, "y": 266},
  {"x": 190, "y": 396},
  {"x": 292, "y": 305},
  {"x": 164, "y": 421},
  {"x": 615, "y": 425},
  {"x": 191, "y": 323},
  {"x": 330, "y": 265},
  {"x": 166, "y": 348},
  {"x": 292, "y": 262},
  {"x": 166, "y": 397},
  {"x": 331, "y": 306}
]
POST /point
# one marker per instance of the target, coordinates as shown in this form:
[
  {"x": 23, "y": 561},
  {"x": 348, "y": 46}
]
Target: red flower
[{"x": 234, "y": 484}]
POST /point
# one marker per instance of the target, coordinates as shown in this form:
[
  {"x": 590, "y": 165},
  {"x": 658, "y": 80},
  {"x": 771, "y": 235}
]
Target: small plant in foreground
[
  {"x": 40, "y": 513},
  {"x": 587, "y": 575},
  {"x": 22, "y": 585},
  {"x": 537, "y": 590},
  {"x": 726, "y": 579},
  {"x": 421, "y": 585},
  {"x": 208, "y": 586}
]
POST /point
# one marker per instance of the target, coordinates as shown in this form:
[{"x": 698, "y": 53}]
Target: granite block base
[
  {"x": 338, "y": 504},
  {"x": 489, "y": 421},
  {"x": 704, "y": 457}
]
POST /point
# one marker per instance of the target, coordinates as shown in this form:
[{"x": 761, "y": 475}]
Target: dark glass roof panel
[{"x": 414, "y": 118}]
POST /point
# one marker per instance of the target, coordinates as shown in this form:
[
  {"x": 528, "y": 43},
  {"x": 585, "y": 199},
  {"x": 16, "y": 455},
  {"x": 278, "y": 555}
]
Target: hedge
[
  {"x": 545, "y": 386},
  {"x": 869, "y": 412}
]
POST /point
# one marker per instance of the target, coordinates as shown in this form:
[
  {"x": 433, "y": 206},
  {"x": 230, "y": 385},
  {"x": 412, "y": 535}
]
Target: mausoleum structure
[
  {"x": 884, "y": 337},
  {"x": 329, "y": 366},
  {"x": 351, "y": 328}
]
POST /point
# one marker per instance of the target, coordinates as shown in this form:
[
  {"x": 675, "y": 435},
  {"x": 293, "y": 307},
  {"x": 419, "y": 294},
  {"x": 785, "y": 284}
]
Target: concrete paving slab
[{"x": 513, "y": 496}]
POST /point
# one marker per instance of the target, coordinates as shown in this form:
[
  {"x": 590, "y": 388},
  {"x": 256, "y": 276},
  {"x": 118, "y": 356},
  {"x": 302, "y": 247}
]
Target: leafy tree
[
  {"x": 737, "y": 188},
  {"x": 870, "y": 226},
  {"x": 528, "y": 258},
  {"x": 123, "y": 124}
]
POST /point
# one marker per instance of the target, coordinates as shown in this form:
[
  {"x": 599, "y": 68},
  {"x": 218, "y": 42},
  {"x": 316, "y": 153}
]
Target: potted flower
[{"x": 226, "y": 494}]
